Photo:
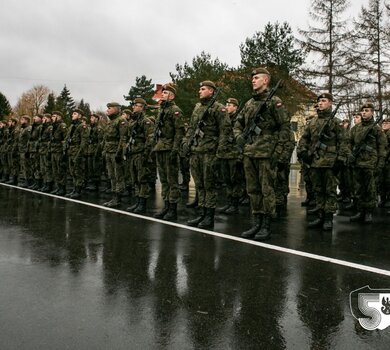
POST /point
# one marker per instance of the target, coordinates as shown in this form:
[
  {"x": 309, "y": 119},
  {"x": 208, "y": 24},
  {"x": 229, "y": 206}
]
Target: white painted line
[{"x": 221, "y": 235}]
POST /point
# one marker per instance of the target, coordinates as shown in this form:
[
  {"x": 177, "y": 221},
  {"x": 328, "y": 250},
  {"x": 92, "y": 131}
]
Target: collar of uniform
[
  {"x": 367, "y": 121},
  {"x": 260, "y": 96},
  {"x": 205, "y": 101},
  {"x": 325, "y": 113}
]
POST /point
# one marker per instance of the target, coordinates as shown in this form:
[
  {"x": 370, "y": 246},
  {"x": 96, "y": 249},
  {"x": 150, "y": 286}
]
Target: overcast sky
[{"x": 98, "y": 47}]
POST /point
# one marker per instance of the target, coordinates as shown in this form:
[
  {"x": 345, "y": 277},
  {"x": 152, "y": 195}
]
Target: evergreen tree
[
  {"x": 188, "y": 77},
  {"x": 50, "y": 103},
  {"x": 324, "y": 42},
  {"x": 84, "y": 107},
  {"x": 5, "y": 107},
  {"x": 143, "y": 88},
  {"x": 274, "y": 46},
  {"x": 65, "y": 103}
]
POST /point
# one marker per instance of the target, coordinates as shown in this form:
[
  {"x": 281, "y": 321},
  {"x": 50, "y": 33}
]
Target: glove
[
  {"x": 240, "y": 140},
  {"x": 186, "y": 149}
]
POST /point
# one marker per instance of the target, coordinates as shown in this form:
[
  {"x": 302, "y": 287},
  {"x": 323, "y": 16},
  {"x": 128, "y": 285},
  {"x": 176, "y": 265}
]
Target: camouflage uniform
[
  {"x": 58, "y": 163},
  {"x": 13, "y": 154},
  {"x": 231, "y": 167},
  {"x": 34, "y": 155},
  {"x": 332, "y": 151},
  {"x": 368, "y": 162},
  {"x": 44, "y": 156},
  {"x": 139, "y": 150},
  {"x": 261, "y": 155},
  {"x": 23, "y": 140},
  {"x": 3, "y": 154},
  {"x": 282, "y": 175},
  {"x": 170, "y": 132},
  {"x": 75, "y": 145},
  {"x": 94, "y": 159}
]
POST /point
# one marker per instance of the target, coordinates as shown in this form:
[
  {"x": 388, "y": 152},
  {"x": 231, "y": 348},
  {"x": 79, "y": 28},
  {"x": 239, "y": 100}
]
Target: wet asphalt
[{"x": 81, "y": 277}]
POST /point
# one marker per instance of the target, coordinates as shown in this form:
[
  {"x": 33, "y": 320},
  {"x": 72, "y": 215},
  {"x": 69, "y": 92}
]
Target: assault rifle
[
  {"x": 199, "y": 133},
  {"x": 252, "y": 128},
  {"x": 322, "y": 135},
  {"x": 160, "y": 123},
  {"x": 362, "y": 146}
]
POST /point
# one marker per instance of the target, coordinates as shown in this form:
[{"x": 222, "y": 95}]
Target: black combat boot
[
  {"x": 257, "y": 220},
  {"x": 317, "y": 222},
  {"x": 77, "y": 193},
  {"x": 23, "y": 184},
  {"x": 368, "y": 216},
  {"x": 141, "y": 209},
  {"x": 265, "y": 230},
  {"x": 115, "y": 202},
  {"x": 328, "y": 222},
  {"x": 233, "y": 209},
  {"x": 184, "y": 186},
  {"x": 227, "y": 206},
  {"x": 68, "y": 195},
  {"x": 208, "y": 221},
  {"x": 306, "y": 202},
  {"x": 358, "y": 217},
  {"x": 134, "y": 206},
  {"x": 61, "y": 190},
  {"x": 194, "y": 203},
  {"x": 163, "y": 211},
  {"x": 172, "y": 212},
  {"x": 49, "y": 187},
  {"x": 195, "y": 222},
  {"x": 38, "y": 185}
]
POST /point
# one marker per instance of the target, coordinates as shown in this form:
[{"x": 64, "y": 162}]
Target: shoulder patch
[
  {"x": 223, "y": 109},
  {"x": 279, "y": 104},
  {"x": 177, "y": 113}
]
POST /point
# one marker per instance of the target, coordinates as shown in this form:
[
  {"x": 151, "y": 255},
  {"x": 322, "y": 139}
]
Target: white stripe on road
[{"x": 221, "y": 235}]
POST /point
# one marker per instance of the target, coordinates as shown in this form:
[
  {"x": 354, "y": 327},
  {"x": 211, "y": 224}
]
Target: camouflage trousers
[
  {"x": 232, "y": 171},
  {"x": 14, "y": 164},
  {"x": 168, "y": 172},
  {"x": 25, "y": 167},
  {"x": 45, "y": 166},
  {"x": 365, "y": 188},
  {"x": 94, "y": 168},
  {"x": 4, "y": 163},
  {"x": 58, "y": 168},
  {"x": 282, "y": 184},
  {"x": 203, "y": 169},
  {"x": 260, "y": 182},
  {"x": 34, "y": 165},
  {"x": 383, "y": 182},
  {"x": 325, "y": 188},
  {"x": 140, "y": 174},
  {"x": 115, "y": 173},
  {"x": 345, "y": 178},
  {"x": 184, "y": 167},
  {"x": 305, "y": 173},
  {"x": 76, "y": 167}
]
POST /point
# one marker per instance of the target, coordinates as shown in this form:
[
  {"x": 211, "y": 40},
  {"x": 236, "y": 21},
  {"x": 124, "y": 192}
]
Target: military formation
[{"x": 247, "y": 149}]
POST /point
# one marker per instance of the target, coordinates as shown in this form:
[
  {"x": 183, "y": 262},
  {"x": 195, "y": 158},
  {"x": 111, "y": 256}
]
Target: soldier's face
[
  {"x": 367, "y": 113},
  {"x": 75, "y": 116},
  {"x": 324, "y": 104},
  {"x": 112, "y": 110},
  {"x": 167, "y": 95},
  {"x": 37, "y": 119},
  {"x": 357, "y": 119},
  {"x": 231, "y": 108},
  {"x": 205, "y": 92},
  {"x": 260, "y": 82},
  {"x": 138, "y": 107},
  {"x": 386, "y": 125}
]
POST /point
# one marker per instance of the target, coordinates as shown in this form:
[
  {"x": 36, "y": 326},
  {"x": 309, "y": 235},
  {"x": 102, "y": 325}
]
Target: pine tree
[
  {"x": 143, "y": 88},
  {"x": 325, "y": 43},
  {"x": 65, "y": 103},
  {"x": 5, "y": 107},
  {"x": 50, "y": 104},
  {"x": 84, "y": 107}
]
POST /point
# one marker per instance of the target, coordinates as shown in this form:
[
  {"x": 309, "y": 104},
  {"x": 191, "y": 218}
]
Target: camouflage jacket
[
  {"x": 95, "y": 136},
  {"x": 325, "y": 149},
  {"x": 2, "y": 138},
  {"x": 58, "y": 137},
  {"x": 76, "y": 139},
  {"x": 34, "y": 137},
  {"x": 274, "y": 125},
  {"x": 23, "y": 138},
  {"x": 13, "y": 139},
  {"x": 115, "y": 135},
  {"x": 140, "y": 134},
  {"x": 169, "y": 128},
  {"x": 229, "y": 148},
  {"x": 44, "y": 138},
  {"x": 216, "y": 124},
  {"x": 373, "y": 152}
]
